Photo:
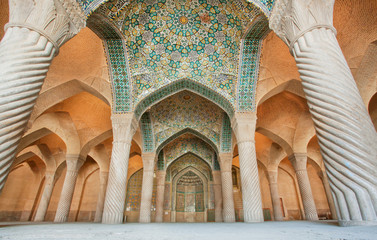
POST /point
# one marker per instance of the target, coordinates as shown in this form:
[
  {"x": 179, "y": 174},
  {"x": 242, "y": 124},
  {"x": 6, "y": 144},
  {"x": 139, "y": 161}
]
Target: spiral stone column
[
  {"x": 243, "y": 125},
  {"x": 147, "y": 187},
  {"x": 218, "y": 196},
  {"x": 124, "y": 127},
  {"x": 50, "y": 180},
  {"x": 36, "y": 30},
  {"x": 74, "y": 163},
  {"x": 273, "y": 181},
  {"x": 227, "y": 186},
  {"x": 299, "y": 161},
  {"x": 330, "y": 199},
  {"x": 161, "y": 174},
  {"x": 103, "y": 176},
  {"x": 345, "y": 131}
]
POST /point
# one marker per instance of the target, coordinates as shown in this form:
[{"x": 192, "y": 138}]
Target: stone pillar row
[
  {"x": 74, "y": 163},
  {"x": 36, "y": 30},
  {"x": 299, "y": 161},
  {"x": 218, "y": 196},
  {"x": 227, "y": 186},
  {"x": 103, "y": 176},
  {"x": 344, "y": 129},
  {"x": 161, "y": 174},
  {"x": 147, "y": 187},
  {"x": 124, "y": 127},
  {"x": 243, "y": 125},
  {"x": 274, "y": 191}
]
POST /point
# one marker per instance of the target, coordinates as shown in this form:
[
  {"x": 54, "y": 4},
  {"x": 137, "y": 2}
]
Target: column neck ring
[
  {"x": 302, "y": 33},
  {"x": 32, "y": 28}
]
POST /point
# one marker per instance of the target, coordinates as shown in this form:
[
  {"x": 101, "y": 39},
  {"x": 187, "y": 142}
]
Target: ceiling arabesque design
[
  {"x": 185, "y": 144},
  {"x": 168, "y": 40},
  {"x": 185, "y": 110},
  {"x": 188, "y": 160}
]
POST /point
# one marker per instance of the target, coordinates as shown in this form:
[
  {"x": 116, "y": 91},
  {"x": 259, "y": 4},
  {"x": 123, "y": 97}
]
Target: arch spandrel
[
  {"x": 188, "y": 143},
  {"x": 184, "y": 110}
]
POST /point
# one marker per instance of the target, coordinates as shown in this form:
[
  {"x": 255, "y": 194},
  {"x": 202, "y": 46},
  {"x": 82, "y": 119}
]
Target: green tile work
[
  {"x": 265, "y": 5},
  {"x": 188, "y": 143},
  {"x": 160, "y": 160},
  {"x": 249, "y": 69},
  {"x": 185, "y": 110},
  {"x": 188, "y": 160},
  {"x": 133, "y": 195},
  {"x": 169, "y": 40},
  {"x": 226, "y": 135},
  {"x": 147, "y": 133},
  {"x": 216, "y": 164},
  {"x": 121, "y": 89}
]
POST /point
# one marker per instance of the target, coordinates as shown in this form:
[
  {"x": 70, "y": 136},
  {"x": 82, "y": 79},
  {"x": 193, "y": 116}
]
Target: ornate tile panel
[
  {"x": 249, "y": 68},
  {"x": 147, "y": 133},
  {"x": 226, "y": 135},
  {"x": 180, "y": 85},
  {"x": 133, "y": 195},
  {"x": 186, "y": 161},
  {"x": 120, "y": 85},
  {"x": 185, "y": 110},
  {"x": 169, "y": 40},
  {"x": 185, "y": 144}
]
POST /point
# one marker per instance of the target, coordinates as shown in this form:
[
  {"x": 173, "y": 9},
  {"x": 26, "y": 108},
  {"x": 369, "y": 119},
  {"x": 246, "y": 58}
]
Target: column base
[
  {"x": 112, "y": 218},
  {"x": 356, "y": 223}
]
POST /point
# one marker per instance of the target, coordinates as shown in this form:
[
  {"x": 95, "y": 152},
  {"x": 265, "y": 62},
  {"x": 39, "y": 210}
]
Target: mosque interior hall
[{"x": 188, "y": 111}]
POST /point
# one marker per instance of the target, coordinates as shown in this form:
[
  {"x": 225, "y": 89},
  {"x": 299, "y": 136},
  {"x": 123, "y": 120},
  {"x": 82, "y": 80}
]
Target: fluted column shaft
[
  {"x": 35, "y": 31},
  {"x": 218, "y": 196},
  {"x": 344, "y": 129},
  {"x": 161, "y": 174},
  {"x": 147, "y": 187},
  {"x": 243, "y": 125},
  {"x": 101, "y": 196},
  {"x": 330, "y": 199},
  {"x": 124, "y": 127},
  {"x": 50, "y": 181},
  {"x": 299, "y": 161},
  {"x": 227, "y": 186},
  {"x": 273, "y": 181},
  {"x": 74, "y": 162}
]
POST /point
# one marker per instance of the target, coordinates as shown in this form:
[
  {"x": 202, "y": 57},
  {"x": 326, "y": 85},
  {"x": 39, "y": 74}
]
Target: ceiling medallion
[{"x": 183, "y": 20}]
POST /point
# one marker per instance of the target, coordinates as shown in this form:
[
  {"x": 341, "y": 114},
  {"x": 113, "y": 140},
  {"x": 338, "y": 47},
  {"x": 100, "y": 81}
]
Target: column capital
[
  {"x": 243, "y": 125},
  {"x": 148, "y": 159},
  {"x": 298, "y": 161},
  {"x": 272, "y": 176},
  {"x": 56, "y": 20},
  {"x": 124, "y": 127},
  {"x": 291, "y": 19},
  {"x": 216, "y": 177},
  {"x": 160, "y": 176},
  {"x": 74, "y": 162},
  {"x": 226, "y": 162}
]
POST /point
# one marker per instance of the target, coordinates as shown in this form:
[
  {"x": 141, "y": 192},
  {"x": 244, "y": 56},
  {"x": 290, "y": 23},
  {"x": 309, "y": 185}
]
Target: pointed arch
[
  {"x": 191, "y": 131},
  {"x": 181, "y": 85}
]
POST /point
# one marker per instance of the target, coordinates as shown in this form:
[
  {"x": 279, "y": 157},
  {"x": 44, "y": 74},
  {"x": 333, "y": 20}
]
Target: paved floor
[{"x": 188, "y": 231}]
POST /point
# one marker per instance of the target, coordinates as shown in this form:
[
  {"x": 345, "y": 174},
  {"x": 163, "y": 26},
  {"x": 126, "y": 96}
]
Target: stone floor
[{"x": 299, "y": 230}]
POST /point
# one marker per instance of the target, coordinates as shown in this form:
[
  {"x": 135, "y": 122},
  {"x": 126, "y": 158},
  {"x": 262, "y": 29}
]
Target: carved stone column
[
  {"x": 227, "y": 186},
  {"x": 124, "y": 127},
  {"x": 74, "y": 163},
  {"x": 50, "y": 180},
  {"x": 147, "y": 187},
  {"x": 161, "y": 174},
  {"x": 345, "y": 132},
  {"x": 273, "y": 181},
  {"x": 299, "y": 161},
  {"x": 101, "y": 196},
  {"x": 36, "y": 30},
  {"x": 218, "y": 196},
  {"x": 243, "y": 125}
]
